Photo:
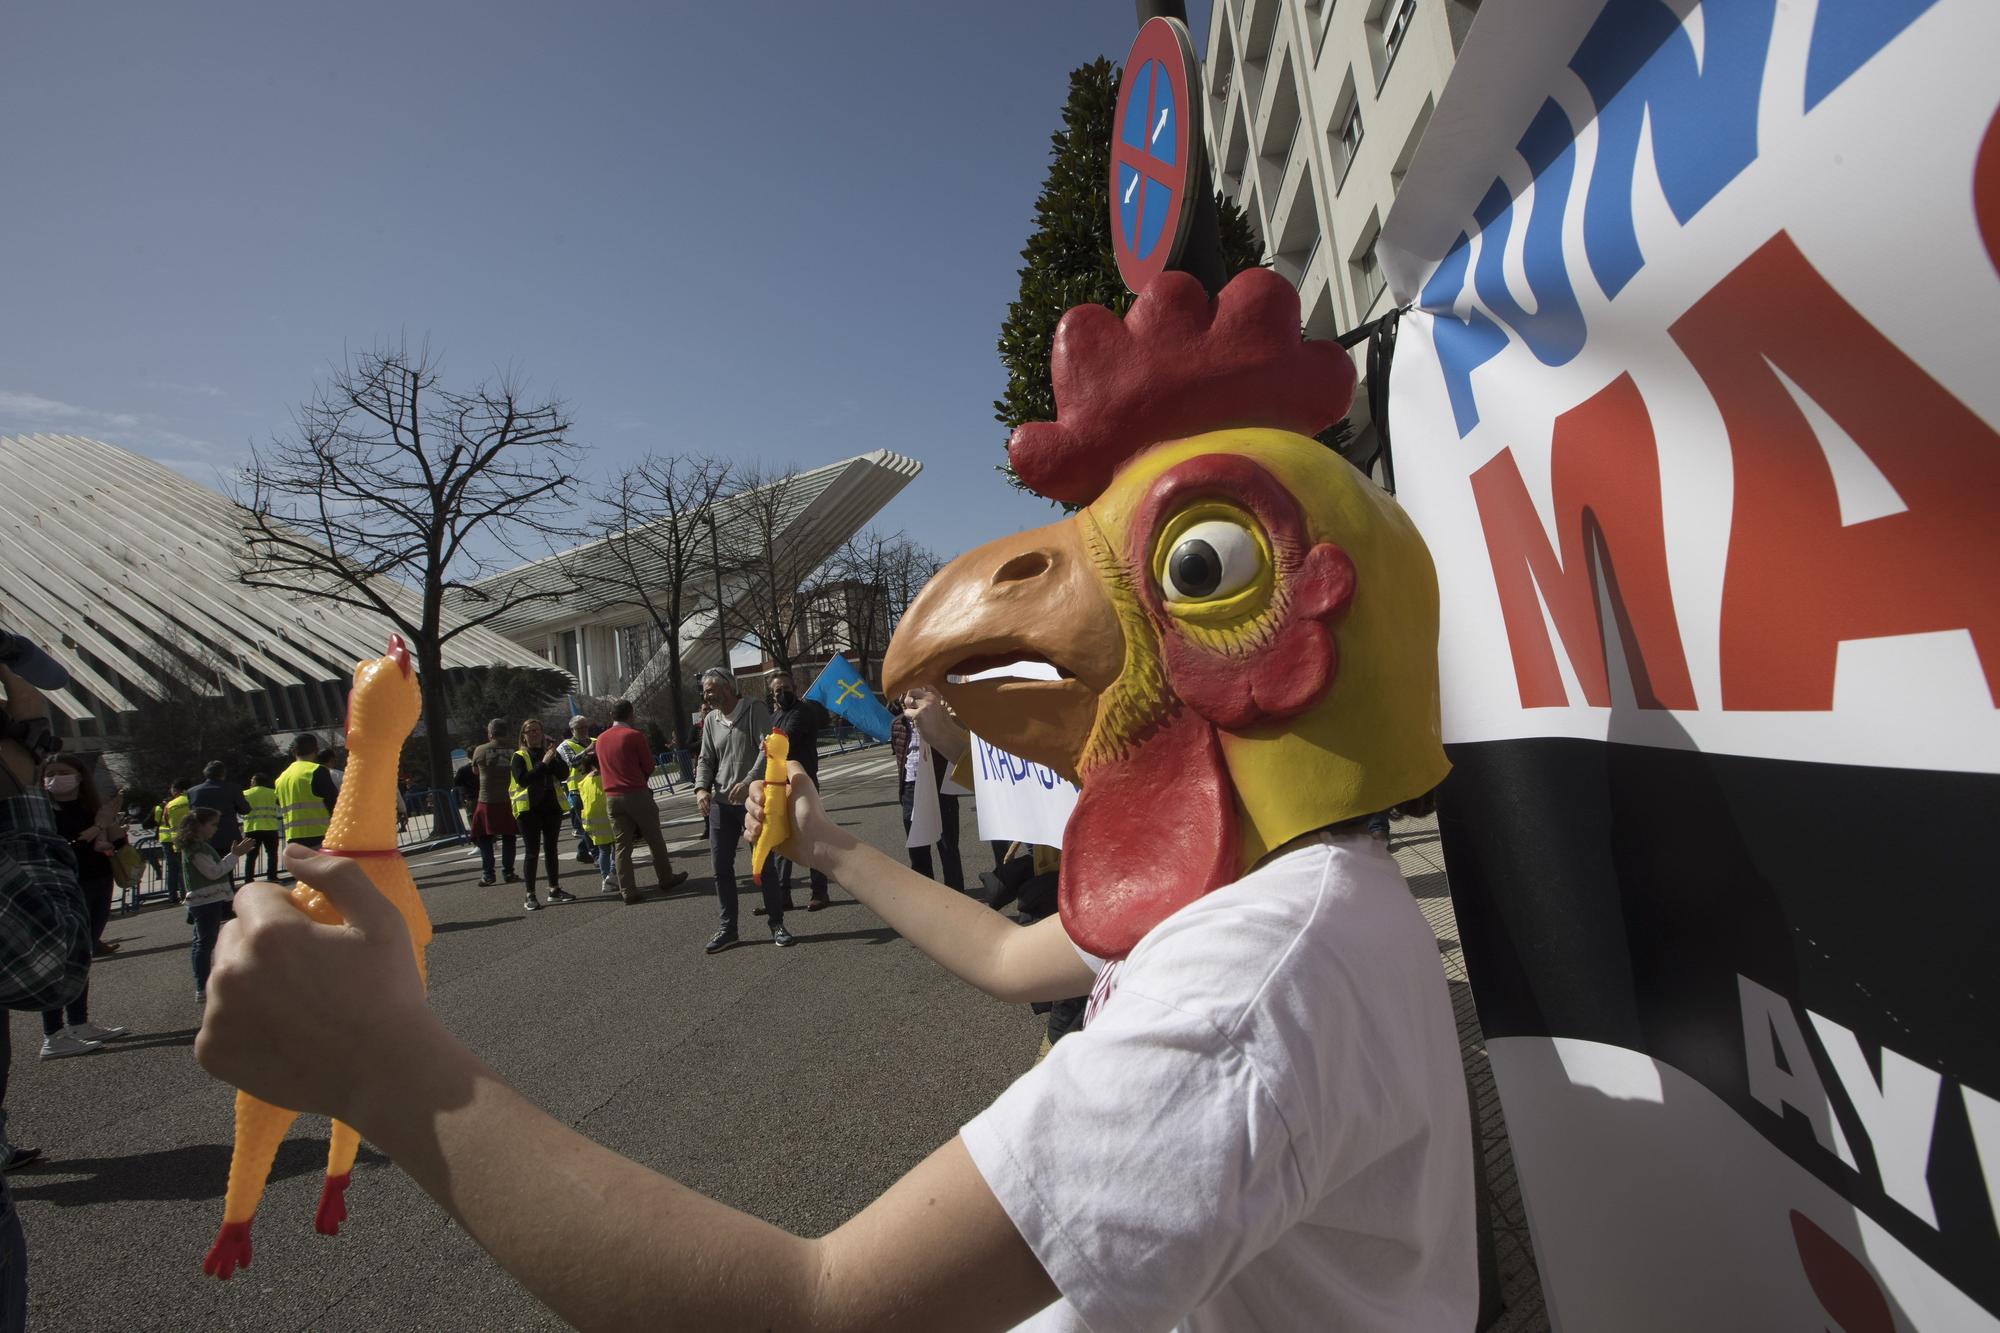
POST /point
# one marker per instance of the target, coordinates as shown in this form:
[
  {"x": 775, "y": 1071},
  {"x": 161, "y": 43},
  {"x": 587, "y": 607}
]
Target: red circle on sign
[{"x": 1156, "y": 151}]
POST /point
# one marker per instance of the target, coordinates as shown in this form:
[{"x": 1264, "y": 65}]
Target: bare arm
[
  {"x": 332, "y": 1019},
  {"x": 1019, "y": 964}
]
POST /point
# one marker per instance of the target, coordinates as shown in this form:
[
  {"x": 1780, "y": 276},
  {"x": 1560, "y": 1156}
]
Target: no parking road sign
[{"x": 1156, "y": 152}]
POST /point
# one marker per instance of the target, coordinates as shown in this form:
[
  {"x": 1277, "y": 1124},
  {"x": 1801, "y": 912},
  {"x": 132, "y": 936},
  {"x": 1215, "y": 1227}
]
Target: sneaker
[
  {"x": 533, "y": 904},
  {"x": 62, "y": 1044},
  {"x": 559, "y": 896},
  {"x": 513, "y": 878},
  {"x": 610, "y": 885},
  {"x": 814, "y": 904},
  {"x": 675, "y": 880},
  {"x": 717, "y": 942},
  {"x": 585, "y": 858},
  {"x": 13, "y": 1159},
  {"x": 488, "y": 882},
  {"x": 782, "y": 937},
  {"x": 92, "y": 1032}
]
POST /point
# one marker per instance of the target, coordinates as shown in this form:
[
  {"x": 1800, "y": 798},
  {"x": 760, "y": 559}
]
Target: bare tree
[
  {"x": 393, "y": 493},
  {"x": 778, "y": 558},
  {"x": 655, "y": 523},
  {"x": 880, "y": 574}
]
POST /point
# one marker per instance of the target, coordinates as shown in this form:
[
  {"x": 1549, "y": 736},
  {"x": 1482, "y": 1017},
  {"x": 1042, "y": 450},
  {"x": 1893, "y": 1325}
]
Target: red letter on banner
[
  {"x": 1606, "y": 474},
  {"x": 1798, "y": 582}
]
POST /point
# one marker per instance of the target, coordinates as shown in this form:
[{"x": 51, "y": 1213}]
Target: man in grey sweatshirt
[{"x": 732, "y": 752}]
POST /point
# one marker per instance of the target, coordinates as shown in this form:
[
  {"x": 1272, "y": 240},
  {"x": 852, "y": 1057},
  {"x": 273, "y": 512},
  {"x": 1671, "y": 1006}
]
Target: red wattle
[
  {"x": 1150, "y": 834},
  {"x": 332, "y": 1205},
  {"x": 230, "y": 1252}
]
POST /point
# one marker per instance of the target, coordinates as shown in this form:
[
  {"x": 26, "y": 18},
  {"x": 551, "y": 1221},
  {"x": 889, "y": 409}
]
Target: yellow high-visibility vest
[
  {"x": 170, "y": 817},
  {"x": 515, "y": 791},
  {"x": 263, "y": 816},
  {"x": 596, "y": 810},
  {"x": 305, "y": 814}
]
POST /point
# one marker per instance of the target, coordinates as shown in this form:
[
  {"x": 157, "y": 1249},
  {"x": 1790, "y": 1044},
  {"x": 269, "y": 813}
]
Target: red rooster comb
[{"x": 1177, "y": 365}]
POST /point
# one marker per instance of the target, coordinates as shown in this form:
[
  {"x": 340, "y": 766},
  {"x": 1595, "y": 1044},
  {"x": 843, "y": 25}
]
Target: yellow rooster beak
[{"x": 1030, "y": 597}]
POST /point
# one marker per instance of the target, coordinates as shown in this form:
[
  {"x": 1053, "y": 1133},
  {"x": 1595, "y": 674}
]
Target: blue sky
[{"x": 779, "y": 232}]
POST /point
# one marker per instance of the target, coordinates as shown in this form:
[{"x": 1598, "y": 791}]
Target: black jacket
[{"x": 800, "y": 723}]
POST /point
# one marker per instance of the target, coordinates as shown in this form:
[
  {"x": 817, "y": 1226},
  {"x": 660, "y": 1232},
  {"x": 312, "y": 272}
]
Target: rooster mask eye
[{"x": 1211, "y": 559}]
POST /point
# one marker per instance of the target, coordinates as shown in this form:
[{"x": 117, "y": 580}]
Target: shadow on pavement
[
  {"x": 446, "y": 927},
  {"x": 146, "y": 1041},
  {"x": 198, "y": 1171},
  {"x": 879, "y": 935},
  {"x": 180, "y": 947}
]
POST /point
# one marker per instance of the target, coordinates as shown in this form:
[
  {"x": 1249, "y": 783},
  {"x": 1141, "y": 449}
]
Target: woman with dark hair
[{"x": 88, "y": 818}]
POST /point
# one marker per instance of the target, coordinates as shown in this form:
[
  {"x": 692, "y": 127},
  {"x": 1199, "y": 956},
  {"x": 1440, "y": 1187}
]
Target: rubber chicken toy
[
  {"x": 381, "y": 711},
  {"x": 777, "y": 816}
]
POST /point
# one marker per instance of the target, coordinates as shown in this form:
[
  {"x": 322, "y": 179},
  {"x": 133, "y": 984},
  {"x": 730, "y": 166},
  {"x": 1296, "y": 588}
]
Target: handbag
[{"x": 127, "y": 866}]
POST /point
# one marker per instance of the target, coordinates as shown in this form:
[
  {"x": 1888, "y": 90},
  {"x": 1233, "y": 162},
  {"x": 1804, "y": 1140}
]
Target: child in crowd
[
  {"x": 597, "y": 824},
  {"x": 211, "y": 885}
]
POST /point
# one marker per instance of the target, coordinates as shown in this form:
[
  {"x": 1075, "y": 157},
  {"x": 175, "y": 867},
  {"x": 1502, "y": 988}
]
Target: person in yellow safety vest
[
  {"x": 262, "y": 824},
  {"x": 170, "y": 822},
  {"x": 536, "y": 790},
  {"x": 596, "y": 814},
  {"x": 577, "y": 745},
  {"x": 306, "y": 793}
]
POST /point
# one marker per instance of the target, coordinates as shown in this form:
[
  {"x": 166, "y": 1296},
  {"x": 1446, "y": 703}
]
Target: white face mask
[{"x": 62, "y": 786}]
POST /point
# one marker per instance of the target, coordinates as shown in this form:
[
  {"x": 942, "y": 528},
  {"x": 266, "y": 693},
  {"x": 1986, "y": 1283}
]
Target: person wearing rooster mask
[{"x": 1263, "y": 1122}]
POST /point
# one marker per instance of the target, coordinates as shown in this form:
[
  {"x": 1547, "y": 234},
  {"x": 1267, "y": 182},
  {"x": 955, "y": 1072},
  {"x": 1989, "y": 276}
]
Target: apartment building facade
[{"x": 1314, "y": 111}]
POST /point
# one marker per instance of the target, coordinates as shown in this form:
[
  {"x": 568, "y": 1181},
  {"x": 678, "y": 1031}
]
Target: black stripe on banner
[{"x": 1615, "y": 892}]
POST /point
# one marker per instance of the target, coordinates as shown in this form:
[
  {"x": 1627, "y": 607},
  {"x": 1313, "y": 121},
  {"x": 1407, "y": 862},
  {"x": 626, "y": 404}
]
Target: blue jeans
[
  {"x": 607, "y": 864},
  {"x": 207, "y": 921},
  {"x": 173, "y": 876},
  {"x": 725, "y": 831}
]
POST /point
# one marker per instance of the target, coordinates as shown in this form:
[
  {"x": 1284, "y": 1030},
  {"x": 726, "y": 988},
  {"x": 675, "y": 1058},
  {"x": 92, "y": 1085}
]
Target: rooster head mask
[{"x": 1244, "y": 627}]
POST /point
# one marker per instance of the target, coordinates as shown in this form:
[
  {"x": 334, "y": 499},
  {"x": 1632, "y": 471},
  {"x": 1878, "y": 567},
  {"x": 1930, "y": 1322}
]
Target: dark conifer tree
[{"x": 1068, "y": 256}]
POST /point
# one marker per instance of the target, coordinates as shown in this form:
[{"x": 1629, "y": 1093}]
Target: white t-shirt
[{"x": 1264, "y": 1126}]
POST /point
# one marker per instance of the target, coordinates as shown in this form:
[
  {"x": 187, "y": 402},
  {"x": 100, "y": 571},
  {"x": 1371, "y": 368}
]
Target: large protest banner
[{"x": 1696, "y": 407}]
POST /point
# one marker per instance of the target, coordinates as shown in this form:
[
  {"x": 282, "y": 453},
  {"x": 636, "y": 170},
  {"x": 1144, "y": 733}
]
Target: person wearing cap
[{"x": 572, "y": 748}]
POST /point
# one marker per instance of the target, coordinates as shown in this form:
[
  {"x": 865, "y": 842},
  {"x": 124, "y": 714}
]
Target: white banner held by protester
[
  {"x": 1695, "y": 406},
  {"x": 926, "y": 816},
  {"x": 1019, "y": 801}
]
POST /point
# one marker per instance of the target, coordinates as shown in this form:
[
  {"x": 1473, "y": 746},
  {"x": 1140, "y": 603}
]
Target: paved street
[{"x": 796, "y": 1085}]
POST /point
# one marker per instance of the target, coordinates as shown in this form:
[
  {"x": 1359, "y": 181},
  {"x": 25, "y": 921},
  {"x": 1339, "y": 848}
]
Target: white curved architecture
[
  {"x": 616, "y": 650},
  {"x": 126, "y": 572}
]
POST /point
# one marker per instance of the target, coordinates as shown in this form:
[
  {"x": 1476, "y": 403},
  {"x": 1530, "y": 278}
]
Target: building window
[
  {"x": 1391, "y": 25},
  {"x": 1346, "y": 140},
  {"x": 1368, "y": 279}
]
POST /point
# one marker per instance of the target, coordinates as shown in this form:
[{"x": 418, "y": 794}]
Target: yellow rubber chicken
[
  {"x": 380, "y": 714},
  {"x": 777, "y": 815}
]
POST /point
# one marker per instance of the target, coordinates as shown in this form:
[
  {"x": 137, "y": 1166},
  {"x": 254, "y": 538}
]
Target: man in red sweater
[{"x": 624, "y": 762}]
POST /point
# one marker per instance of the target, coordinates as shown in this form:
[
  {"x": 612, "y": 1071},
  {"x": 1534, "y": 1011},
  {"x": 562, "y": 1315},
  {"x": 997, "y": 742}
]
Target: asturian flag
[{"x": 841, "y": 690}]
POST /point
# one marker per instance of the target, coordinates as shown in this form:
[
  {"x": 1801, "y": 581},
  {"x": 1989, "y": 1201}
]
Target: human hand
[
  {"x": 739, "y": 793},
  {"x": 934, "y": 721},
  {"x": 813, "y": 834},
  {"x": 242, "y": 845},
  {"x": 701, "y": 803},
  {"x": 309, "y": 1016}
]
